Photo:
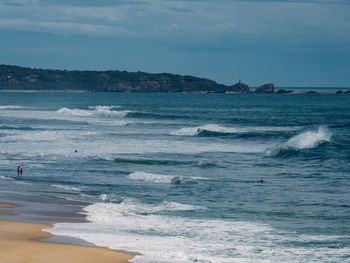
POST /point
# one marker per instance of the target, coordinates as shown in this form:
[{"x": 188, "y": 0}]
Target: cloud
[
  {"x": 48, "y": 26},
  {"x": 200, "y": 20}
]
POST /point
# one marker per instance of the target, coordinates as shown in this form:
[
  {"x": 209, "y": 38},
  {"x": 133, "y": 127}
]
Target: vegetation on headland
[{"x": 24, "y": 78}]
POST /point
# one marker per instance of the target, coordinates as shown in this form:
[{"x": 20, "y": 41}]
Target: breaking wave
[
  {"x": 66, "y": 187},
  {"x": 163, "y": 179},
  {"x": 198, "y": 130},
  {"x": 135, "y": 226},
  {"x": 209, "y": 130},
  {"x": 139, "y": 114},
  {"x": 305, "y": 140},
  {"x": 106, "y": 111},
  {"x": 142, "y": 161},
  {"x": 10, "y": 107}
]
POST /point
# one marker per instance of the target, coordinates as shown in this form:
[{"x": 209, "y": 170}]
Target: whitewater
[{"x": 176, "y": 178}]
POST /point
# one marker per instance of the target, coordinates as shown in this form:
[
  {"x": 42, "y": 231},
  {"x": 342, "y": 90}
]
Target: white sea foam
[
  {"x": 66, "y": 187},
  {"x": 5, "y": 178},
  {"x": 309, "y": 139},
  {"x": 103, "y": 107},
  {"x": 174, "y": 206},
  {"x": 149, "y": 177},
  {"x": 161, "y": 178},
  {"x": 170, "y": 239},
  {"x": 192, "y": 131},
  {"x": 9, "y": 107},
  {"x": 75, "y": 112},
  {"x": 305, "y": 140},
  {"x": 37, "y": 136},
  {"x": 105, "y": 111}
]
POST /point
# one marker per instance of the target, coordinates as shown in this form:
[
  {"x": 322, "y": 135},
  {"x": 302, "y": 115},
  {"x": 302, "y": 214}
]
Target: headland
[{"x": 15, "y": 78}]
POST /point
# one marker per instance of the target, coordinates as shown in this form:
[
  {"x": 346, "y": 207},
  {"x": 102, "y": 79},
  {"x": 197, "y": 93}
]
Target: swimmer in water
[{"x": 261, "y": 181}]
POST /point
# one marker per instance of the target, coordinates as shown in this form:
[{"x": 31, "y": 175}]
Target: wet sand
[{"x": 19, "y": 242}]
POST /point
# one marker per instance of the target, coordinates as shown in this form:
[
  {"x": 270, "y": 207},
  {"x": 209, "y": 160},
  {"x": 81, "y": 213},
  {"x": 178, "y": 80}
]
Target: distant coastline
[{"x": 25, "y": 79}]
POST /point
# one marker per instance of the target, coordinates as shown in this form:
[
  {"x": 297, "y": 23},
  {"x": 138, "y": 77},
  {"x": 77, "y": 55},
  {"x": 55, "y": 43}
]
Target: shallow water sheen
[{"x": 175, "y": 176}]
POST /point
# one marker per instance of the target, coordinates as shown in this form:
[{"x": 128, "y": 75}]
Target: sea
[{"x": 177, "y": 178}]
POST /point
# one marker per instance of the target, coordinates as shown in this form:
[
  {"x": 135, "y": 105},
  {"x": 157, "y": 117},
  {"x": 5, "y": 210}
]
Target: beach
[{"x": 22, "y": 242}]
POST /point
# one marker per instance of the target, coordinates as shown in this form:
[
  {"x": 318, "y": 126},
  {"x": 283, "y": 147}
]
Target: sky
[{"x": 291, "y": 43}]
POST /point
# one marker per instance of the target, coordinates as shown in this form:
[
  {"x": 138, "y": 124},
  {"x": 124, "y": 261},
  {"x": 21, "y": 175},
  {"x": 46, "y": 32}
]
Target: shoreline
[
  {"x": 25, "y": 242},
  {"x": 302, "y": 90}
]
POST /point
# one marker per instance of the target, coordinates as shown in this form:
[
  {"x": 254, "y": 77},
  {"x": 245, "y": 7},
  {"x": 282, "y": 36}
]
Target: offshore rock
[
  {"x": 311, "y": 92},
  {"x": 266, "y": 88},
  {"x": 284, "y": 91},
  {"x": 239, "y": 87}
]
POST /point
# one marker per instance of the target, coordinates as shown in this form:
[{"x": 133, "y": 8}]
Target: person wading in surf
[{"x": 18, "y": 170}]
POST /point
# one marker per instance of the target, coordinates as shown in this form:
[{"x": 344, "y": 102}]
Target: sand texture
[{"x": 19, "y": 244}]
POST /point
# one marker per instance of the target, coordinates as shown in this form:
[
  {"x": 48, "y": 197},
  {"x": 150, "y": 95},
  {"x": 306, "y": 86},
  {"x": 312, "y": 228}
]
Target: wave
[
  {"x": 212, "y": 130},
  {"x": 305, "y": 140},
  {"x": 140, "y": 114},
  {"x": 112, "y": 197},
  {"x": 5, "y": 127},
  {"x": 5, "y": 178},
  {"x": 102, "y": 108},
  {"x": 66, "y": 187},
  {"x": 206, "y": 164},
  {"x": 163, "y": 179},
  {"x": 42, "y": 136},
  {"x": 136, "y": 226},
  {"x": 105, "y": 111},
  {"x": 10, "y": 107},
  {"x": 142, "y": 161},
  {"x": 195, "y": 131},
  {"x": 174, "y": 206}
]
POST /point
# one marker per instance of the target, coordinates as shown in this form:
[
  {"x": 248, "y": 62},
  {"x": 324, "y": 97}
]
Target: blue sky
[{"x": 289, "y": 43}]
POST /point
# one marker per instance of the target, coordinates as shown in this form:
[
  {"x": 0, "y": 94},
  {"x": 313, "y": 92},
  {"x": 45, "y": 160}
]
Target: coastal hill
[{"x": 24, "y": 78}]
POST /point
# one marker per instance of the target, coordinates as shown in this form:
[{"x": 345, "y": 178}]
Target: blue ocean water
[{"x": 175, "y": 177}]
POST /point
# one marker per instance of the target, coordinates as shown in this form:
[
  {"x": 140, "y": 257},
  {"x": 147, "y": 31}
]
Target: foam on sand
[
  {"x": 19, "y": 243},
  {"x": 135, "y": 226}
]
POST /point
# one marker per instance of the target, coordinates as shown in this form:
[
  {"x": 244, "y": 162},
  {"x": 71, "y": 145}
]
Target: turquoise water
[{"x": 174, "y": 176}]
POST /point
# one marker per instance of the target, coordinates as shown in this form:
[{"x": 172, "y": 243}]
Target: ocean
[{"x": 177, "y": 177}]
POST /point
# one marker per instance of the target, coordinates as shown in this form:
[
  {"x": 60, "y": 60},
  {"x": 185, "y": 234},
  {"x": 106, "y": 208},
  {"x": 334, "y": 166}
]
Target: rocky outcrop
[
  {"x": 266, "y": 88},
  {"x": 311, "y": 92},
  {"x": 239, "y": 87},
  {"x": 339, "y": 92},
  {"x": 284, "y": 91}
]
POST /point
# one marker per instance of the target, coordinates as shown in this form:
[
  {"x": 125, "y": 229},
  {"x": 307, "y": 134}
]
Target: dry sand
[{"x": 19, "y": 243}]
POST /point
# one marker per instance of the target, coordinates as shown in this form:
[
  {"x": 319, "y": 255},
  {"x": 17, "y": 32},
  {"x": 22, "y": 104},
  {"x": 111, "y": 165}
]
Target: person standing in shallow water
[
  {"x": 21, "y": 171},
  {"x": 18, "y": 170}
]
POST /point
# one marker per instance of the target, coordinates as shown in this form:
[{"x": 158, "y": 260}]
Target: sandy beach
[{"x": 21, "y": 242}]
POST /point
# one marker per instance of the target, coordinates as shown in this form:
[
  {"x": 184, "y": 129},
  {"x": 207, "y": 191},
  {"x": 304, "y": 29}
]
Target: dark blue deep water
[{"x": 175, "y": 177}]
